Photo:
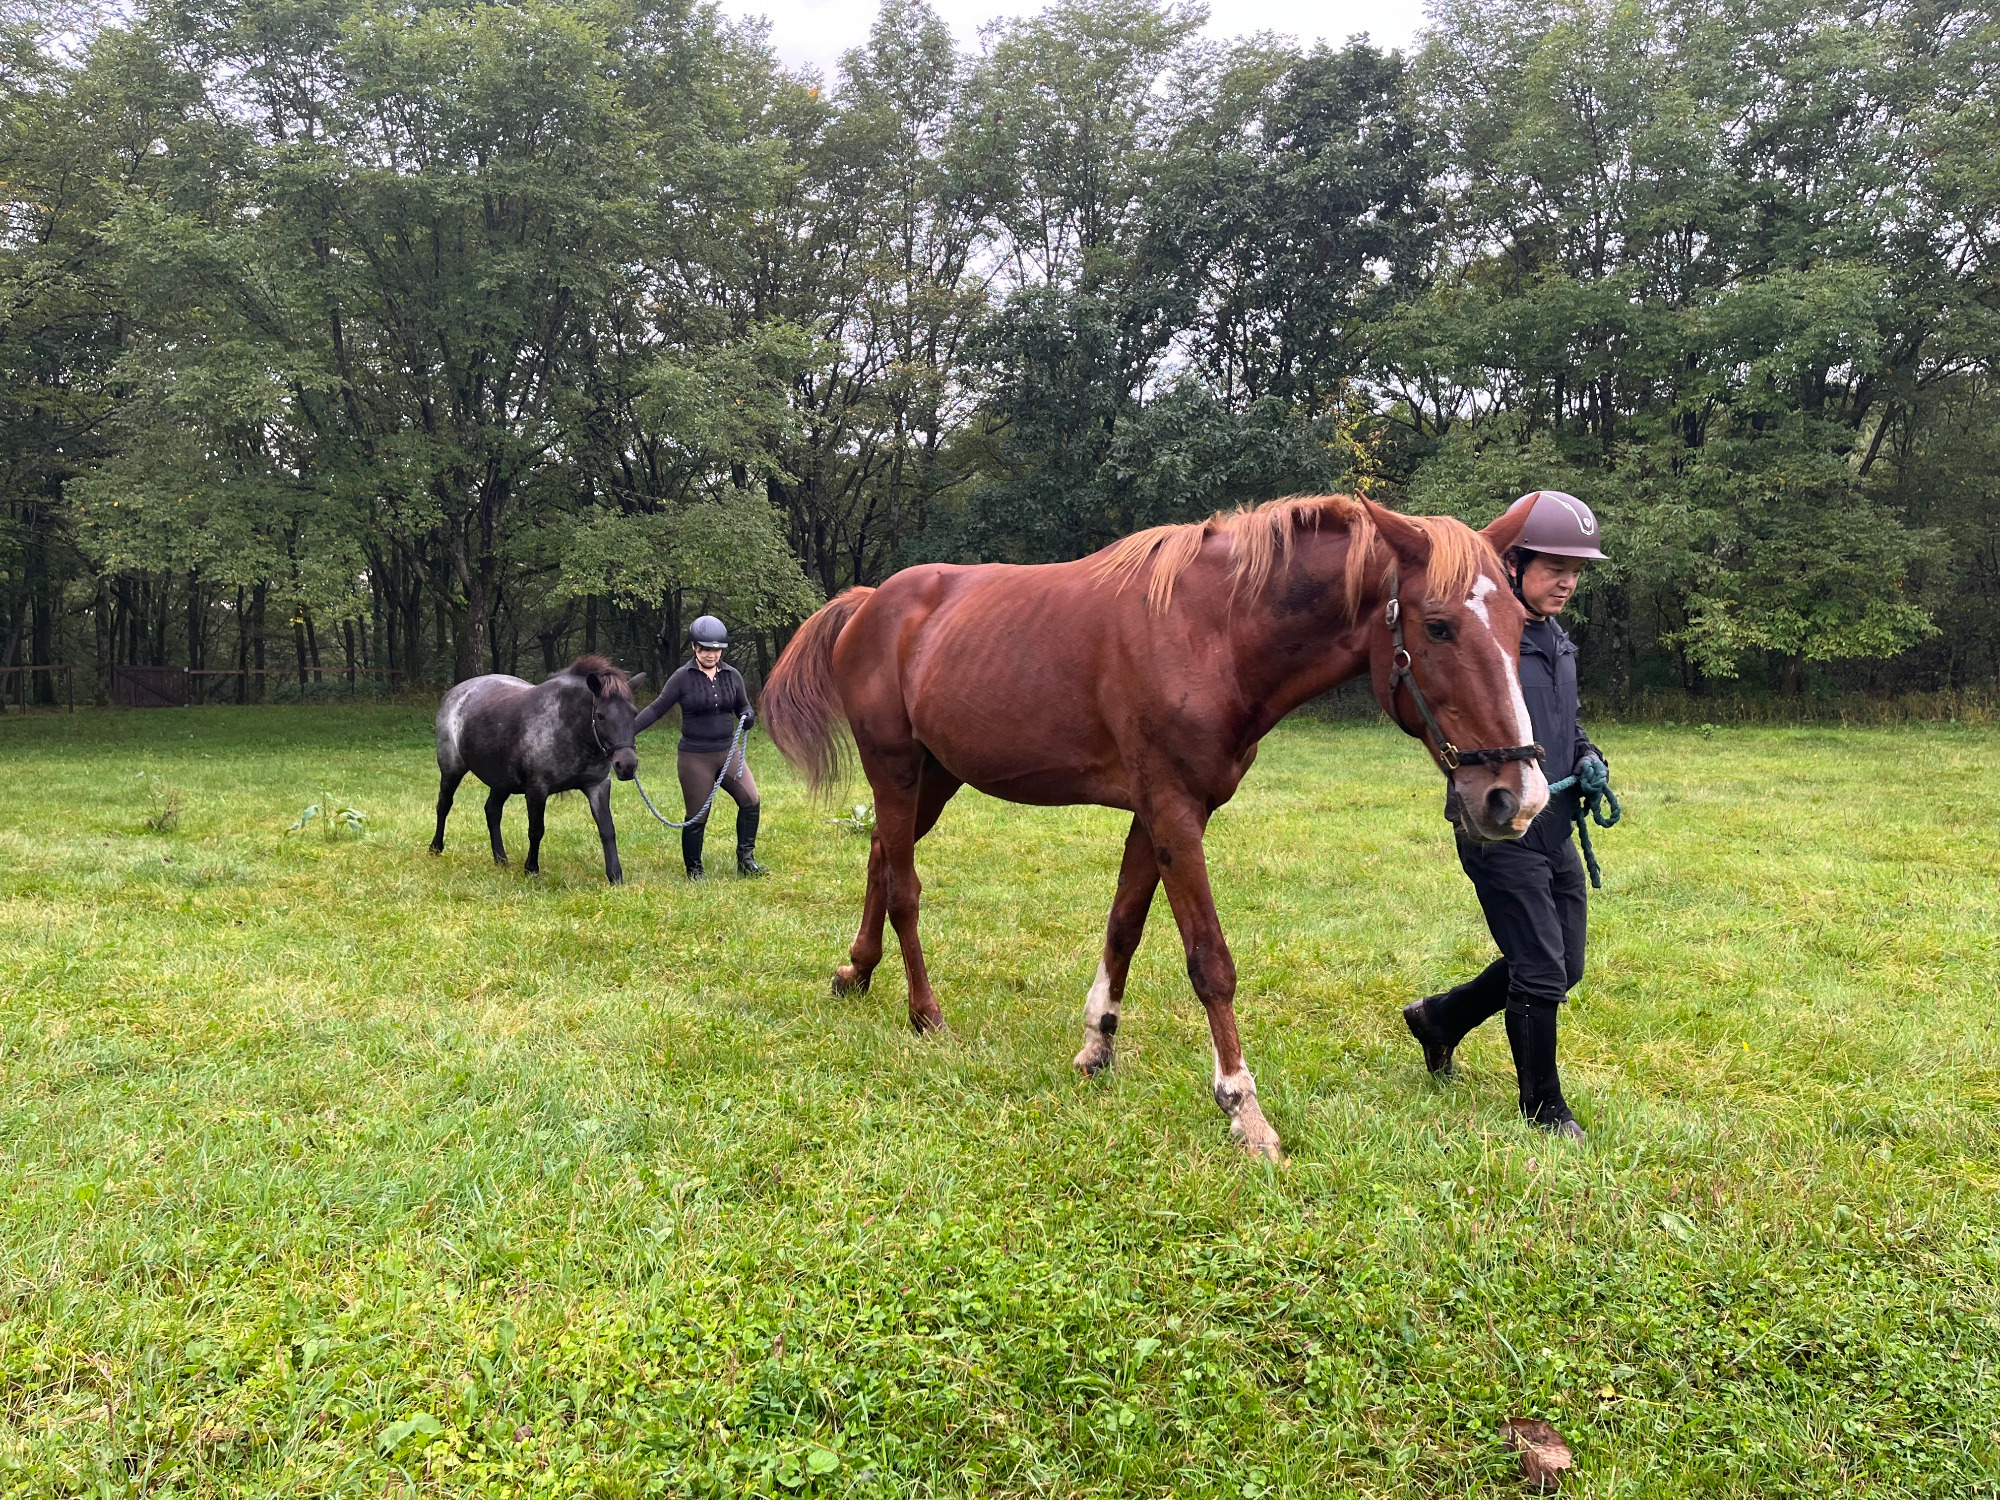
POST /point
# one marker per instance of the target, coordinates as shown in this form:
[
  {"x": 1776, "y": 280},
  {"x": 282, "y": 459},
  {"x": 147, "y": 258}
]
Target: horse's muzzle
[{"x": 624, "y": 764}]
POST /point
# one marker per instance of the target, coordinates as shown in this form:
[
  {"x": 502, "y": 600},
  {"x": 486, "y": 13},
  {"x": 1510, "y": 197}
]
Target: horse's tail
[{"x": 801, "y": 704}]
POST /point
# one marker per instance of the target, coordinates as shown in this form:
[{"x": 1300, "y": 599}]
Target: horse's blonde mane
[
  {"x": 1457, "y": 555},
  {"x": 1260, "y": 544}
]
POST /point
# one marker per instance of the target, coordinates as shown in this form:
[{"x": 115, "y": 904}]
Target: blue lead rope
[
  {"x": 735, "y": 746},
  {"x": 1592, "y": 786}
]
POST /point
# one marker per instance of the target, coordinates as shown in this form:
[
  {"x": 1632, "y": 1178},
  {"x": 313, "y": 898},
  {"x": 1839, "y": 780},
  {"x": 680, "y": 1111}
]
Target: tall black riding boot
[
  {"x": 1531, "y": 1033},
  {"x": 746, "y": 840},
  {"x": 1440, "y": 1022},
  {"x": 691, "y": 838}
]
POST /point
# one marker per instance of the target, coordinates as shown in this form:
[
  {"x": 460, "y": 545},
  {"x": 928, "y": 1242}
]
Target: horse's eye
[{"x": 1438, "y": 630}]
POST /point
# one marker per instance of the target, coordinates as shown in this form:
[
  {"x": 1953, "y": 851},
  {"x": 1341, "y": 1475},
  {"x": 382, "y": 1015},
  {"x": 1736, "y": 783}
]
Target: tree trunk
[
  {"x": 165, "y": 614},
  {"x": 101, "y": 623},
  {"x": 242, "y": 647},
  {"x": 258, "y": 596}
]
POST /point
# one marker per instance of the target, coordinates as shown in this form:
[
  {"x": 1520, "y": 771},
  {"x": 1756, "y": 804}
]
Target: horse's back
[
  {"x": 474, "y": 696},
  {"x": 1000, "y": 671}
]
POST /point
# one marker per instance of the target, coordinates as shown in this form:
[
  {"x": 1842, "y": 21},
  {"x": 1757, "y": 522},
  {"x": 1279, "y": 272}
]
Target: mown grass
[{"x": 333, "y": 1168}]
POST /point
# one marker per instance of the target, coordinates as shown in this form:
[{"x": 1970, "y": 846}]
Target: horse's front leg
[
  {"x": 1138, "y": 878},
  {"x": 495, "y": 801},
  {"x": 537, "y": 806},
  {"x": 1177, "y": 840},
  {"x": 447, "y": 790},
  {"x": 599, "y": 798}
]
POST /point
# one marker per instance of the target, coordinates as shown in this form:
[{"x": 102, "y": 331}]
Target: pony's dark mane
[
  {"x": 1260, "y": 543},
  {"x": 616, "y": 680}
]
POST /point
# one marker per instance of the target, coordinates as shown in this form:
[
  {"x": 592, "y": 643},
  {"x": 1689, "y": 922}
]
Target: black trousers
[{"x": 1534, "y": 897}]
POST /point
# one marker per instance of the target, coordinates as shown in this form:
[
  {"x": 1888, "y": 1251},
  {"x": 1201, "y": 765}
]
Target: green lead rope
[{"x": 1592, "y": 786}]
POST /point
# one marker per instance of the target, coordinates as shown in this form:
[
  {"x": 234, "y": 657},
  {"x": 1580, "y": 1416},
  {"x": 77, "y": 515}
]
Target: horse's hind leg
[
  {"x": 854, "y": 976},
  {"x": 447, "y": 790},
  {"x": 495, "y": 801},
  {"x": 1177, "y": 835},
  {"x": 1138, "y": 878},
  {"x": 935, "y": 789}
]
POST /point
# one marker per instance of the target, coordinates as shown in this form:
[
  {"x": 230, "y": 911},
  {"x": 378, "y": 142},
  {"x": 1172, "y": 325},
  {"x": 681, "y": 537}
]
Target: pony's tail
[{"x": 801, "y": 704}]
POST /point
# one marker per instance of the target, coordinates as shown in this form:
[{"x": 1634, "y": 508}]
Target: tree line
[{"x": 438, "y": 338}]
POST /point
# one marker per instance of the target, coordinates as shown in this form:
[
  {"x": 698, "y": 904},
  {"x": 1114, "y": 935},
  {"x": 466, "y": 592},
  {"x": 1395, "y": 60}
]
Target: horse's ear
[
  {"x": 1504, "y": 530},
  {"x": 595, "y": 684},
  {"x": 1409, "y": 541},
  {"x": 636, "y": 680}
]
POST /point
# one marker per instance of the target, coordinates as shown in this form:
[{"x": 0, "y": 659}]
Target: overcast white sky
[{"x": 818, "y": 31}]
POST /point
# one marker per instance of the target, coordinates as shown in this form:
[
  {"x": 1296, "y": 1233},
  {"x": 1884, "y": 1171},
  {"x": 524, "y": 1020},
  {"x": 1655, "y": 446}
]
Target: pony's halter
[{"x": 1449, "y": 756}]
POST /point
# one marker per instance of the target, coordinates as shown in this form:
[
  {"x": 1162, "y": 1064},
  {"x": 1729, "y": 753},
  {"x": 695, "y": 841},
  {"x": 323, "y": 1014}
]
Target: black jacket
[
  {"x": 1548, "y": 682},
  {"x": 709, "y": 709}
]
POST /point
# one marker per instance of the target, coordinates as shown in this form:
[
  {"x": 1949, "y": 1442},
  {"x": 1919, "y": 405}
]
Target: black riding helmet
[{"x": 709, "y": 631}]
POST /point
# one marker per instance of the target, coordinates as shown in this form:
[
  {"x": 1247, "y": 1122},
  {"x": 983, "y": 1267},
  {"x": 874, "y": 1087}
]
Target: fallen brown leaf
[{"x": 1544, "y": 1454}]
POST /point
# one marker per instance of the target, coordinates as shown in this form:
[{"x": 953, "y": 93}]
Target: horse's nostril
[{"x": 1501, "y": 806}]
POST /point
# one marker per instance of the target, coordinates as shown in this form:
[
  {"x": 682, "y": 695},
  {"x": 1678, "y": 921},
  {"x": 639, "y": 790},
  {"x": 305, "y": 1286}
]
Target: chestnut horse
[{"x": 1142, "y": 678}]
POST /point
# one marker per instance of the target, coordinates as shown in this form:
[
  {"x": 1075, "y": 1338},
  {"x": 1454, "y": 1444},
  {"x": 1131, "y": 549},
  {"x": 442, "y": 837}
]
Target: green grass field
[{"x": 333, "y": 1168}]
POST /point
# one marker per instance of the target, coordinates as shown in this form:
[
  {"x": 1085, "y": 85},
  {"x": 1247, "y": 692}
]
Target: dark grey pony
[{"x": 572, "y": 733}]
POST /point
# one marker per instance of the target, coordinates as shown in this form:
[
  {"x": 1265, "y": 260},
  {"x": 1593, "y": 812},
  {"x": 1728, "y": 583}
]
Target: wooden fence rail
[{"x": 20, "y": 676}]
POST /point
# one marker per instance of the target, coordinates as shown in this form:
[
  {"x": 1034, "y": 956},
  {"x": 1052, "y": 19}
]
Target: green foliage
[
  {"x": 861, "y": 820},
  {"x": 163, "y": 804},
  {"x": 340, "y": 1137},
  {"x": 455, "y": 331},
  {"x": 333, "y": 817}
]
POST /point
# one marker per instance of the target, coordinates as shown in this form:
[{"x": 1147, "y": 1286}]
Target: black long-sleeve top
[{"x": 709, "y": 706}]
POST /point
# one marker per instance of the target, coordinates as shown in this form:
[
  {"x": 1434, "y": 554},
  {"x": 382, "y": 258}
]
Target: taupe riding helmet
[{"x": 1558, "y": 524}]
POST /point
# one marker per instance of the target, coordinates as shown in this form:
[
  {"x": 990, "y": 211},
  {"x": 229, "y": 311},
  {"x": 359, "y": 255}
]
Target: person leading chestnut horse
[
  {"x": 1531, "y": 890},
  {"x": 1156, "y": 666}
]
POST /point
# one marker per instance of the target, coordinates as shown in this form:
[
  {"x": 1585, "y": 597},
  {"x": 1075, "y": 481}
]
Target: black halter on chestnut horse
[{"x": 1156, "y": 667}]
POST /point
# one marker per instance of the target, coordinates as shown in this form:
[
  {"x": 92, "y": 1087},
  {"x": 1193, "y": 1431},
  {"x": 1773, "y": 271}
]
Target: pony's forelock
[{"x": 616, "y": 681}]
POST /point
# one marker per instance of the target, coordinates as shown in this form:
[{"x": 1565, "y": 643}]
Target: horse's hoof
[
  {"x": 847, "y": 982},
  {"x": 1257, "y": 1137}
]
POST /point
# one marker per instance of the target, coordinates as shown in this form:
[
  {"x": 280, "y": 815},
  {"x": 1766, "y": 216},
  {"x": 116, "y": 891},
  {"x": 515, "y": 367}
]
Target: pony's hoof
[
  {"x": 1092, "y": 1060},
  {"x": 847, "y": 982}
]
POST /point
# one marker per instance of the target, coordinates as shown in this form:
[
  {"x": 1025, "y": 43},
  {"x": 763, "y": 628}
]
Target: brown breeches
[{"x": 697, "y": 771}]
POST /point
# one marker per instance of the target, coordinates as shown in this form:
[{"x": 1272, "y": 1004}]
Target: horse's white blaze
[
  {"x": 1534, "y": 786},
  {"x": 1481, "y": 587}
]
